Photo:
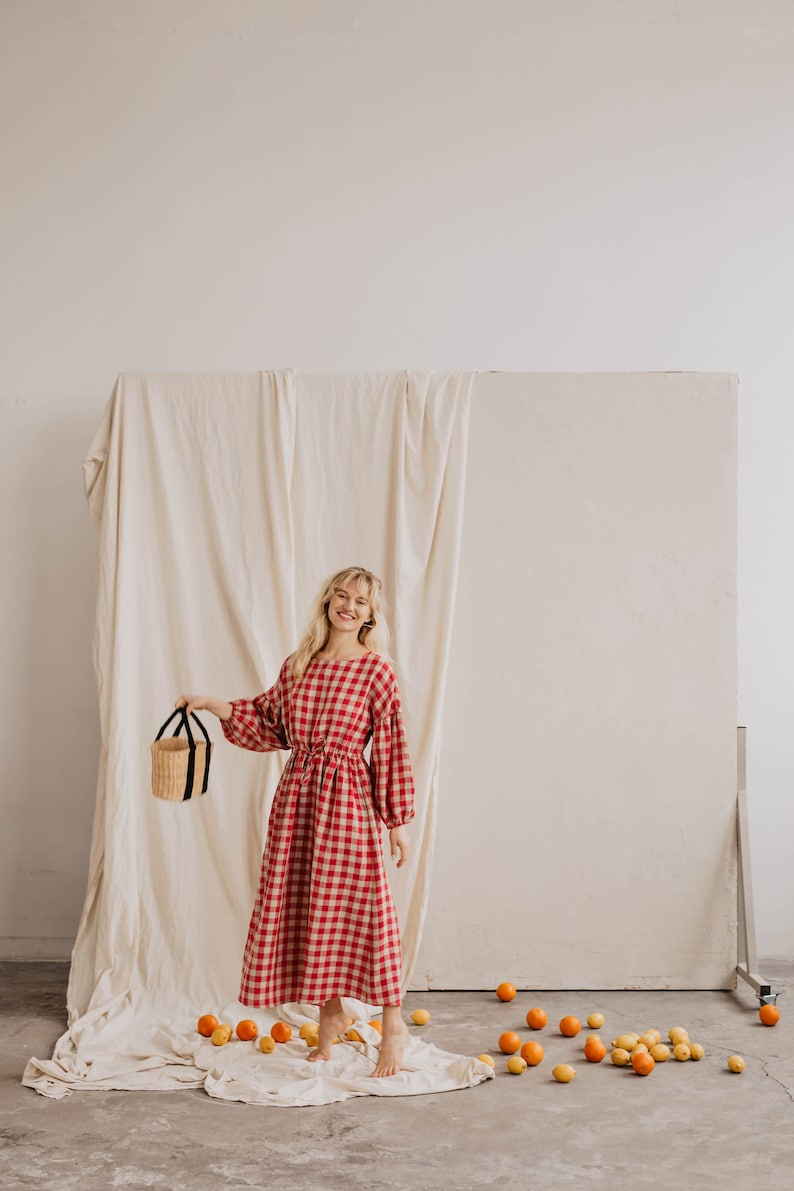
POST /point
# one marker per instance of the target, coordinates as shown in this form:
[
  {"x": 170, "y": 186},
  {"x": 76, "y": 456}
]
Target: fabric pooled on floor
[{"x": 129, "y": 1054}]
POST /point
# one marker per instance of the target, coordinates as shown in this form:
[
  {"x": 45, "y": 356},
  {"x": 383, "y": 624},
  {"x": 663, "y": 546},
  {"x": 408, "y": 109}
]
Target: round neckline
[{"x": 338, "y": 661}]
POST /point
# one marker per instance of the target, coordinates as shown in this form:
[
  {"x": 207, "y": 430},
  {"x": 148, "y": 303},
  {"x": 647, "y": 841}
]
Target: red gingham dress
[{"x": 324, "y": 923}]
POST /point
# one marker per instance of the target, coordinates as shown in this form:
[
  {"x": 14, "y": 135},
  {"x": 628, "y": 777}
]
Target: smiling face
[{"x": 349, "y": 609}]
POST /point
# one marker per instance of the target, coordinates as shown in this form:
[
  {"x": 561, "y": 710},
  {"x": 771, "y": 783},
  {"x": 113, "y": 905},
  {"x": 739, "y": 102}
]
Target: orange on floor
[
  {"x": 594, "y": 1049},
  {"x": 532, "y": 1053},
  {"x": 642, "y": 1062},
  {"x": 506, "y": 991},
  {"x": 537, "y": 1018},
  {"x": 509, "y": 1042}
]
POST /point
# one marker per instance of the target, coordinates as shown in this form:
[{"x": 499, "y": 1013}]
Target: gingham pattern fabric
[{"x": 324, "y": 923}]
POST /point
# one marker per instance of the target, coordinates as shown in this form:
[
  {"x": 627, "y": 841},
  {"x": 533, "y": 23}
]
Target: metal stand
[{"x": 747, "y": 967}]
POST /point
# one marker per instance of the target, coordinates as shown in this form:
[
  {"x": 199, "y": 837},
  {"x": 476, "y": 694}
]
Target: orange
[
  {"x": 281, "y": 1032},
  {"x": 377, "y": 1025},
  {"x": 570, "y": 1026},
  {"x": 509, "y": 1042},
  {"x": 532, "y": 1053},
  {"x": 247, "y": 1029},
  {"x": 536, "y": 1019},
  {"x": 642, "y": 1062},
  {"x": 207, "y": 1024},
  {"x": 769, "y": 1014},
  {"x": 506, "y": 991},
  {"x": 594, "y": 1049}
]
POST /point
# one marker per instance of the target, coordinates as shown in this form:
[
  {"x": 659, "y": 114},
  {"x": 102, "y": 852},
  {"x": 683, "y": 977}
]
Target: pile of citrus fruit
[
  {"x": 219, "y": 1033},
  {"x": 247, "y": 1030},
  {"x": 639, "y": 1052}
]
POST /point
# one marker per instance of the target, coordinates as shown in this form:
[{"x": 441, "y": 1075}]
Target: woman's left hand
[{"x": 398, "y": 842}]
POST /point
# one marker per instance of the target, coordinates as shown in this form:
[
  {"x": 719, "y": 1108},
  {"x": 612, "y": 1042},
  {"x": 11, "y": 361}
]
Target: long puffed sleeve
[
  {"x": 257, "y": 724},
  {"x": 392, "y": 779}
]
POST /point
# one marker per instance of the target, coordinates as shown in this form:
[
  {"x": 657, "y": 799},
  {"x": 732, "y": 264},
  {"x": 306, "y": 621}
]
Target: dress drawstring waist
[{"x": 326, "y": 754}]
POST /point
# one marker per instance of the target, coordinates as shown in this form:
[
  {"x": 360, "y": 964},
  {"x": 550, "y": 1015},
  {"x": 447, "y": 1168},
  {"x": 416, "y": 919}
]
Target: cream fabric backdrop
[{"x": 223, "y": 501}]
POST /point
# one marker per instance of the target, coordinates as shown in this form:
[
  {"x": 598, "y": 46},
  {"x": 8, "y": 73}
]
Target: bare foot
[
  {"x": 332, "y": 1022},
  {"x": 392, "y": 1048}
]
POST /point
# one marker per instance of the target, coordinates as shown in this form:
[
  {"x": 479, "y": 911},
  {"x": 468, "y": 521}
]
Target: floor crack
[{"x": 778, "y": 1082}]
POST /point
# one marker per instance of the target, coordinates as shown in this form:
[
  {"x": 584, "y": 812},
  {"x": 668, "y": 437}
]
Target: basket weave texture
[{"x": 170, "y": 757}]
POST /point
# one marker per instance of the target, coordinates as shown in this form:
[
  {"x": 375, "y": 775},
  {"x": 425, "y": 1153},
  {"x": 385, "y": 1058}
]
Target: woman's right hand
[{"x": 216, "y": 707}]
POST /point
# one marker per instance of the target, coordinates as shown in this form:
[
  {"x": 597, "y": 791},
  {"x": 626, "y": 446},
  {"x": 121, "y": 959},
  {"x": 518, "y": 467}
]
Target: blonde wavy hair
[{"x": 374, "y": 634}]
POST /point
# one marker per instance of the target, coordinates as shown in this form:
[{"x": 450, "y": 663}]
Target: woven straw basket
[{"x": 180, "y": 764}]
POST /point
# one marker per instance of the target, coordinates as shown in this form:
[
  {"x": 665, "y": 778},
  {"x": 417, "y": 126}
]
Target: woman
[{"x": 324, "y": 924}]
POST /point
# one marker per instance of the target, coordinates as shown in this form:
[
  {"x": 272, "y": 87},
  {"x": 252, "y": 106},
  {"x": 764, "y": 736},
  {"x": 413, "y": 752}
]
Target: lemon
[
  {"x": 221, "y": 1036},
  {"x": 353, "y": 1036},
  {"x": 595, "y": 1021},
  {"x": 681, "y": 1052},
  {"x": 516, "y": 1065},
  {"x": 626, "y": 1041},
  {"x": 420, "y": 1017},
  {"x": 620, "y": 1057},
  {"x": 563, "y": 1072},
  {"x": 736, "y": 1063},
  {"x": 696, "y": 1051},
  {"x": 678, "y": 1034},
  {"x": 267, "y": 1044},
  {"x": 489, "y": 1059},
  {"x": 650, "y": 1038},
  {"x": 660, "y": 1053},
  {"x": 308, "y": 1027},
  {"x": 641, "y": 1049}
]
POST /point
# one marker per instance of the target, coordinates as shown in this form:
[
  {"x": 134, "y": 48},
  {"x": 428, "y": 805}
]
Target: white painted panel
[{"x": 586, "y": 824}]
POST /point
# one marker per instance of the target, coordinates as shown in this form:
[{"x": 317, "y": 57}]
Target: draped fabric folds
[{"x": 223, "y": 501}]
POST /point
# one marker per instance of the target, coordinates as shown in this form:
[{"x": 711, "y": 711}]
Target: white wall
[{"x": 580, "y": 186}]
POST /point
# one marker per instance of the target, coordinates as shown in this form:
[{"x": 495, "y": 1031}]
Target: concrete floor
[{"x": 687, "y": 1125}]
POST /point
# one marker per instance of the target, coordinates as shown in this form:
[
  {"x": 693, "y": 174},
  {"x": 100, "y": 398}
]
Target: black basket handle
[{"x": 184, "y": 722}]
